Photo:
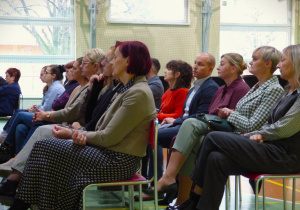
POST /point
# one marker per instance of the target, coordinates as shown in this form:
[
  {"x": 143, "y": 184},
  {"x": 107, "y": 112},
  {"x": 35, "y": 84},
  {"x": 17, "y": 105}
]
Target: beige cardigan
[
  {"x": 125, "y": 126},
  {"x": 71, "y": 112}
]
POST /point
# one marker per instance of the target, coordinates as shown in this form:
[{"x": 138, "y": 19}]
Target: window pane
[
  {"x": 245, "y": 41},
  {"x": 35, "y": 40},
  {"x": 149, "y": 11},
  {"x": 36, "y": 8},
  {"x": 254, "y": 11},
  {"x": 30, "y": 83}
]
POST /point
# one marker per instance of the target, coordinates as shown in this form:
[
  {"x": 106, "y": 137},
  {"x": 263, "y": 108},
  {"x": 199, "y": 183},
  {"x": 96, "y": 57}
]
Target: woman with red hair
[
  {"x": 10, "y": 93},
  {"x": 118, "y": 142}
]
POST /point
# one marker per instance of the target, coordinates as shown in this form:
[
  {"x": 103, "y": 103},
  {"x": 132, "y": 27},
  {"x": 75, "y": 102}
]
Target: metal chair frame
[
  {"x": 262, "y": 178},
  {"x": 141, "y": 179}
]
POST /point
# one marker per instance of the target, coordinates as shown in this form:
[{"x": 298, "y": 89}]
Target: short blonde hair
[
  {"x": 269, "y": 53},
  {"x": 94, "y": 54}
]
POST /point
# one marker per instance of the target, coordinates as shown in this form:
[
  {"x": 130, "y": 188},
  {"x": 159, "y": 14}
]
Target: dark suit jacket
[
  {"x": 9, "y": 98},
  {"x": 201, "y": 100}
]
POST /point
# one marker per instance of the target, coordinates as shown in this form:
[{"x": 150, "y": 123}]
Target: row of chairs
[{"x": 139, "y": 180}]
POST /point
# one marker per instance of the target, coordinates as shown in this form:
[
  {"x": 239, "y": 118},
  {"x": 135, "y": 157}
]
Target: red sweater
[{"x": 172, "y": 103}]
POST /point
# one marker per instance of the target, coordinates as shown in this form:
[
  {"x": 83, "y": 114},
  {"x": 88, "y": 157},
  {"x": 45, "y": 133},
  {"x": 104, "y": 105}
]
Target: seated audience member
[
  {"x": 251, "y": 111},
  {"x": 100, "y": 92},
  {"x": 155, "y": 83},
  {"x": 184, "y": 152},
  {"x": 179, "y": 75},
  {"x": 157, "y": 89},
  {"x": 8, "y": 123},
  {"x": 69, "y": 85},
  {"x": 224, "y": 154},
  {"x": 94, "y": 156},
  {"x": 197, "y": 101},
  {"x": 53, "y": 77},
  {"x": 10, "y": 92},
  {"x": 69, "y": 114},
  {"x": 46, "y": 130}
]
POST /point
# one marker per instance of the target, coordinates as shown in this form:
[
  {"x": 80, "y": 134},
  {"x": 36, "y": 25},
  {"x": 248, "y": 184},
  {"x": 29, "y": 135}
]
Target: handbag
[{"x": 214, "y": 123}]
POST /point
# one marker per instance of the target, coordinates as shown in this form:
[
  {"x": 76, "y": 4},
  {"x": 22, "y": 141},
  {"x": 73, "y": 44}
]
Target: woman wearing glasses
[{"x": 52, "y": 76}]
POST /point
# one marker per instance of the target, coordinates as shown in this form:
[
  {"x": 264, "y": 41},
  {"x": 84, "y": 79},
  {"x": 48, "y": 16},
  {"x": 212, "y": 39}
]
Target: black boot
[
  {"x": 6, "y": 152},
  {"x": 19, "y": 204},
  {"x": 8, "y": 187},
  {"x": 191, "y": 203}
]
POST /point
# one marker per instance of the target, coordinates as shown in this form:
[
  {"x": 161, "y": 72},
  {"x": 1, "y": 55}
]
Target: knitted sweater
[{"x": 172, "y": 103}]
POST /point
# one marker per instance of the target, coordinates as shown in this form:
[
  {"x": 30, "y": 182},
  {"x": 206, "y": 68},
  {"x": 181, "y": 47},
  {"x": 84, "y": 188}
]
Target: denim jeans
[{"x": 24, "y": 118}]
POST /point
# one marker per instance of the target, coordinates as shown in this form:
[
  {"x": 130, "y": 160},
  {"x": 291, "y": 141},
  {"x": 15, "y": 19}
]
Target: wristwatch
[{"x": 48, "y": 116}]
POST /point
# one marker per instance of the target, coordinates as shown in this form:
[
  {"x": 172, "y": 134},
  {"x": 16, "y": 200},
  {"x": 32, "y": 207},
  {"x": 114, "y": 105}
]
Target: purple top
[
  {"x": 62, "y": 100},
  {"x": 228, "y": 96}
]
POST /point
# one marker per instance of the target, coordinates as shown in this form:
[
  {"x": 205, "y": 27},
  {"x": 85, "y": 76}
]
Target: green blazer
[{"x": 125, "y": 126}]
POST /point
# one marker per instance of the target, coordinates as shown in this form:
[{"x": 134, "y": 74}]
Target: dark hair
[
  {"x": 69, "y": 65},
  {"x": 140, "y": 60},
  {"x": 58, "y": 70},
  {"x": 186, "y": 73},
  {"x": 79, "y": 60},
  {"x": 156, "y": 64},
  {"x": 14, "y": 72}
]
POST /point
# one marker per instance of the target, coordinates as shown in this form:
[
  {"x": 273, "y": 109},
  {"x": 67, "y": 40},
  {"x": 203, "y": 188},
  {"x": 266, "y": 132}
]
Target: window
[
  {"x": 246, "y": 25},
  {"x": 149, "y": 12},
  {"x": 35, "y": 33}
]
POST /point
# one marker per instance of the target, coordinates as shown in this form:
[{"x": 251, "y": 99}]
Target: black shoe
[
  {"x": 19, "y": 204},
  {"x": 6, "y": 152},
  {"x": 165, "y": 201},
  {"x": 191, "y": 203},
  {"x": 172, "y": 208},
  {"x": 8, "y": 187},
  {"x": 171, "y": 189}
]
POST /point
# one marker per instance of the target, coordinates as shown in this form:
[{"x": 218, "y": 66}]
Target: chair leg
[
  {"x": 293, "y": 196},
  {"x": 131, "y": 199},
  {"x": 240, "y": 189},
  {"x": 237, "y": 184},
  {"x": 256, "y": 194},
  {"x": 140, "y": 197},
  {"x": 264, "y": 194},
  {"x": 284, "y": 194},
  {"x": 123, "y": 195},
  {"x": 226, "y": 194}
]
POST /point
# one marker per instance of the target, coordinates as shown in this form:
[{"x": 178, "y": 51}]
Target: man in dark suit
[{"x": 197, "y": 100}]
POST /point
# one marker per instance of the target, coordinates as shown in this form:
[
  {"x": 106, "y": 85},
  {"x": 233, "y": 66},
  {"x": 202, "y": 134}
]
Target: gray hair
[
  {"x": 293, "y": 52},
  {"x": 269, "y": 53}
]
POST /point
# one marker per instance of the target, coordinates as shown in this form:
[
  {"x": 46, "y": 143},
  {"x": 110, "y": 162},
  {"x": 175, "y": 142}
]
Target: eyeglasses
[{"x": 47, "y": 73}]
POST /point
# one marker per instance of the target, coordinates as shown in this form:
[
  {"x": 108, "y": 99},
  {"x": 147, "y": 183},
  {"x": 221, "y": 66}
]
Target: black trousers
[{"x": 223, "y": 154}]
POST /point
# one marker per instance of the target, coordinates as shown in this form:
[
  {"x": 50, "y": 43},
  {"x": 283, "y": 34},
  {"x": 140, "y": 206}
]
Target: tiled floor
[{"x": 109, "y": 200}]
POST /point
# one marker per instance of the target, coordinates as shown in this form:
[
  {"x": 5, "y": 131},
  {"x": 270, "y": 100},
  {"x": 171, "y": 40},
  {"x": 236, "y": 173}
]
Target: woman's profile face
[
  {"x": 69, "y": 74},
  {"x": 77, "y": 73},
  {"x": 48, "y": 76},
  {"x": 286, "y": 67},
  {"x": 87, "y": 67},
  {"x": 42, "y": 75},
  {"x": 119, "y": 64},
  {"x": 225, "y": 69},
  {"x": 257, "y": 65},
  {"x": 107, "y": 65},
  {"x": 169, "y": 75},
  {"x": 9, "y": 79}
]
